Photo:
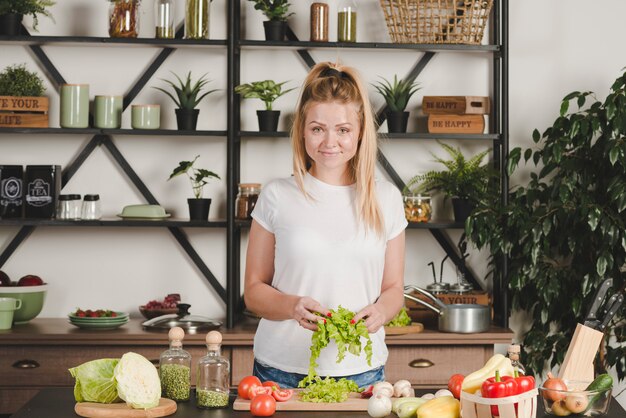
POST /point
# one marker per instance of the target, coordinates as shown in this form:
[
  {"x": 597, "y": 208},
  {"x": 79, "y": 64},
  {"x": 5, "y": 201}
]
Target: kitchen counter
[{"x": 59, "y": 403}]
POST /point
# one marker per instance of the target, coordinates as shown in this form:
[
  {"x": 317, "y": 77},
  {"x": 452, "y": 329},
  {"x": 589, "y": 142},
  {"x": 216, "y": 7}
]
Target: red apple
[
  {"x": 30, "y": 280},
  {"x": 4, "y": 279}
]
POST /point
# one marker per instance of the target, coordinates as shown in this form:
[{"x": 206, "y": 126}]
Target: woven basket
[
  {"x": 436, "y": 21},
  {"x": 518, "y": 406}
]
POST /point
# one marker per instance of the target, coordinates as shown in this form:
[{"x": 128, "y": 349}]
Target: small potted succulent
[
  {"x": 466, "y": 181},
  {"x": 267, "y": 91},
  {"x": 397, "y": 95},
  {"x": 188, "y": 95},
  {"x": 277, "y": 12},
  {"x": 12, "y": 12},
  {"x": 198, "y": 206}
]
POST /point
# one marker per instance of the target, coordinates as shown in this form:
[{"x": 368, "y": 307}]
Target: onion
[{"x": 552, "y": 385}]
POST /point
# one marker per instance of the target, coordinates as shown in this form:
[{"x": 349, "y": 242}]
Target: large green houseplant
[
  {"x": 276, "y": 12},
  {"x": 397, "y": 95},
  {"x": 466, "y": 180},
  {"x": 267, "y": 91},
  {"x": 12, "y": 12},
  {"x": 565, "y": 231}
]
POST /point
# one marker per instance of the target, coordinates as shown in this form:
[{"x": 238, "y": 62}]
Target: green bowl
[{"x": 32, "y": 298}]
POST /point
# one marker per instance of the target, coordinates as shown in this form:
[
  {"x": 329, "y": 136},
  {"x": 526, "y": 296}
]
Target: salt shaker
[
  {"x": 213, "y": 375},
  {"x": 91, "y": 207},
  {"x": 175, "y": 368}
]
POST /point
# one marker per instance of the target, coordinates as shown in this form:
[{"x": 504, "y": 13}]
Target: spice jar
[
  {"x": 417, "y": 208},
  {"x": 164, "y": 19},
  {"x": 319, "y": 22},
  {"x": 213, "y": 375},
  {"x": 91, "y": 207},
  {"x": 124, "y": 18},
  {"x": 175, "y": 368},
  {"x": 69, "y": 206},
  {"x": 197, "y": 19},
  {"x": 346, "y": 21},
  {"x": 246, "y": 199}
]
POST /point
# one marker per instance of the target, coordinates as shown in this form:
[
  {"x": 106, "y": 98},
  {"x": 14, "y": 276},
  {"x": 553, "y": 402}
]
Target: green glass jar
[
  {"x": 197, "y": 19},
  {"x": 346, "y": 21}
]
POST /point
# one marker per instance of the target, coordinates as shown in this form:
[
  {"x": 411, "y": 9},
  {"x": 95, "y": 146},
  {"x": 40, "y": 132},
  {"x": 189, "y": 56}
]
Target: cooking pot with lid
[
  {"x": 465, "y": 318},
  {"x": 190, "y": 323}
]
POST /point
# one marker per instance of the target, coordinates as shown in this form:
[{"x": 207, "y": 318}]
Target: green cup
[
  {"x": 108, "y": 112},
  {"x": 146, "y": 116},
  {"x": 74, "y": 106},
  {"x": 7, "y": 307}
]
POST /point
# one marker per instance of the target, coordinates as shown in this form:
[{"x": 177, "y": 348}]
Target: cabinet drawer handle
[
  {"x": 26, "y": 364},
  {"x": 421, "y": 363}
]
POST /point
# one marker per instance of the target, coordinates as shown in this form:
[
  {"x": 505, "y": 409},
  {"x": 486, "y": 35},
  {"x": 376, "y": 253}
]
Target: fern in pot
[
  {"x": 187, "y": 96},
  {"x": 13, "y": 11},
  {"x": 198, "y": 206},
  {"x": 397, "y": 95}
]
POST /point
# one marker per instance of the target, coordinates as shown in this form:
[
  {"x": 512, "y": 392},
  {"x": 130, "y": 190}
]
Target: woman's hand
[
  {"x": 374, "y": 317},
  {"x": 303, "y": 313}
]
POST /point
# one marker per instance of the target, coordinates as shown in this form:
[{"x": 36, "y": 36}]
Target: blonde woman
[{"x": 330, "y": 235}]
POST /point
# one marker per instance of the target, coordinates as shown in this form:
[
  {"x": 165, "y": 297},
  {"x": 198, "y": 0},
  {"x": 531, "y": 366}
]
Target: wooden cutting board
[
  {"x": 353, "y": 403},
  {"x": 414, "y": 328},
  {"x": 121, "y": 410}
]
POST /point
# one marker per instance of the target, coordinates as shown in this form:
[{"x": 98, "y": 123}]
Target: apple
[
  {"x": 4, "y": 279},
  {"x": 30, "y": 280}
]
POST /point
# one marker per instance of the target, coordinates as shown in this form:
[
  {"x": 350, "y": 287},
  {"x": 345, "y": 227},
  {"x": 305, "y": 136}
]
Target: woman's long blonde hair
[{"x": 325, "y": 83}]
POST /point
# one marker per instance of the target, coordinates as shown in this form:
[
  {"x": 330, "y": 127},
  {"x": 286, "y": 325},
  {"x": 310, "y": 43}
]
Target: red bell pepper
[
  {"x": 494, "y": 387},
  {"x": 524, "y": 383}
]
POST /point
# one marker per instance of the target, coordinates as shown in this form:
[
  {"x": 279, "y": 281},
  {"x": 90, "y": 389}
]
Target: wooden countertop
[{"x": 58, "y": 331}]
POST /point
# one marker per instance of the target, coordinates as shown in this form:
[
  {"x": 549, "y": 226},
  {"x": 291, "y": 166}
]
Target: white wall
[{"x": 555, "y": 47}]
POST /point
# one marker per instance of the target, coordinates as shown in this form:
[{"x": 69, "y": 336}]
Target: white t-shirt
[{"x": 322, "y": 253}]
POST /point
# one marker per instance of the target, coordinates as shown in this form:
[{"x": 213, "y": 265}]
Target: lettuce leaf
[
  {"x": 402, "y": 319},
  {"x": 326, "y": 390},
  {"x": 95, "y": 381}
]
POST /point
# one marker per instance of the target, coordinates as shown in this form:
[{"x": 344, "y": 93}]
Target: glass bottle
[
  {"x": 246, "y": 199},
  {"x": 91, "y": 207},
  {"x": 514, "y": 351},
  {"x": 213, "y": 375},
  {"x": 197, "y": 19},
  {"x": 124, "y": 18},
  {"x": 164, "y": 19},
  {"x": 346, "y": 21},
  {"x": 175, "y": 368},
  {"x": 319, "y": 22}
]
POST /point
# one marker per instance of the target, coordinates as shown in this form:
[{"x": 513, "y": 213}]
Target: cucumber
[{"x": 601, "y": 383}]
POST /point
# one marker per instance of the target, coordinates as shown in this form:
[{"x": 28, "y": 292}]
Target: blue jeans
[{"x": 291, "y": 380}]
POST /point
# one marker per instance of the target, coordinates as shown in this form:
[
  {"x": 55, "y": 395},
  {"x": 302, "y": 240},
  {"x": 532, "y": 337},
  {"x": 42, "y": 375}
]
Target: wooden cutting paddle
[
  {"x": 121, "y": 410},
  {"x": 414, "y": 328}
]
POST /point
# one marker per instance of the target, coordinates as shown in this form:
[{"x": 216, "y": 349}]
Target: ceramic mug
[
  {"x": 7, "y": 307},
  {"x": 146, "y": 116},
  {"x": 74, "y": 106},
  {"x": 108, "y": 112}
]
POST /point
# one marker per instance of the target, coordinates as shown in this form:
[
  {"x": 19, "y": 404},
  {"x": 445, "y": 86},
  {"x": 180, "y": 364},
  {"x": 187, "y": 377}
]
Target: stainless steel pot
[{"x": 465, "y": 318}]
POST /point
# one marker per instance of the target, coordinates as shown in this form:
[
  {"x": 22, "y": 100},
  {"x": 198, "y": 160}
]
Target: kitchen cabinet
[{"x": 37, "y": 355}]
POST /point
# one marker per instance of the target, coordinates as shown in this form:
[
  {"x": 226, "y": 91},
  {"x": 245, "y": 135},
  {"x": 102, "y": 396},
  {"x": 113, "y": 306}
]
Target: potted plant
[
  {"x": 277, "y": 12},
  {"x": 188, "y": 95},
  {"x": 397, "y": 95},
  {"x": 12, "y": 12},
  {"x": 198, "y": 206},
  {"x": 562, "y": 233},
  {"x": 466, "y": 181},
  {"x": 267, "y": 91},
  {"x": 21, "y": 98}
]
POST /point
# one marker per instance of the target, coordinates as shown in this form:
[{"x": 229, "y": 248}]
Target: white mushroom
[
  {"x": 402, "y": 389},
  {"x": 379, "y": 406},
  {"x": 383, "y": 388},
  {"x": 442, "y": 392}
]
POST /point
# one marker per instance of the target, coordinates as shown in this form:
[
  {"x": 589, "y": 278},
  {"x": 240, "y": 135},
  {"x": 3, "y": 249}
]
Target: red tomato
[
  {"x": 271, "y": 384},
  {"x": 255, "y": 390},
  {"x": 282, "y": 395},
  {"x": 263, "y": 406},
  {"x": 454, "y": 385},
  {"x": 244, "y": 385}
]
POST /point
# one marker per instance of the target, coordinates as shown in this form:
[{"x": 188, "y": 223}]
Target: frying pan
[{"x": 464, "y": 318}]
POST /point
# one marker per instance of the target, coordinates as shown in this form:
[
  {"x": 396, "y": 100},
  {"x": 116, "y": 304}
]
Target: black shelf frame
[{"x": 231, "y": 294}]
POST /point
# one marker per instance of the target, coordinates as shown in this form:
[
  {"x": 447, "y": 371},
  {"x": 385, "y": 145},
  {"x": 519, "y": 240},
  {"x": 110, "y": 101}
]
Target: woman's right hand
[{"x": 303, "y": 313}]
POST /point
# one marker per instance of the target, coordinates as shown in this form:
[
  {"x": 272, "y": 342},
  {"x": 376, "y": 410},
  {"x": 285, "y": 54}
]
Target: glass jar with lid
[
  {"x": 91, "y": 207},
  {"x": 417, "y": 208},
  {"x": 346, "y": 21},
  {"x": 319, "y": 22},
  {"x": 213, "y": 375},
  {"x": 124, "y": 18},
  {"x": 175, "y": 368},
  {"x": 246, "y": 200},
  {"x": 164, "y": 19}
]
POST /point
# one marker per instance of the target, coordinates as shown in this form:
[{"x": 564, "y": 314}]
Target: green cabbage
[
  {"x": 95, "y": 381},
  {"x": 138, "y": 381}
]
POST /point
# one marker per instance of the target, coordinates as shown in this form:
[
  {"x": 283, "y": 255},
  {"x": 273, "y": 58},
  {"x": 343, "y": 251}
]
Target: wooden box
[
  {"x": 456, "y": 124},
  {"x": 456, "y": 105},
  {"x": 23, "y": 112}
]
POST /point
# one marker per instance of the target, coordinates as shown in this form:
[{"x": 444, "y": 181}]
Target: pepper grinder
[
  {"x": 175, "y": 368},
  {"x": 213, "y": 375}
]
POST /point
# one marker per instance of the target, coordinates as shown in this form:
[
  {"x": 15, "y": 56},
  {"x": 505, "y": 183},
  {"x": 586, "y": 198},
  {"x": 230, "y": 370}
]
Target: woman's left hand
[{"x": 374, "y": 318}]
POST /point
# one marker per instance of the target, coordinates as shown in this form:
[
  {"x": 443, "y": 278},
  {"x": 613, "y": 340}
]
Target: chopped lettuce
[
  {"x": 138, "y": 381},
  {"x": 326, "y": 390},
  {"x": 95, "y": 381},
  {"x": 402, "y": 319}
]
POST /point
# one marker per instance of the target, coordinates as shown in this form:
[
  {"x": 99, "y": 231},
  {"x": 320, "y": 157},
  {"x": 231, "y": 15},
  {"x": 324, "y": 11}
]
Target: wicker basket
[
  {"x": 436, "y": 21},
  {"x": 474, "y": 406}
]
